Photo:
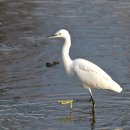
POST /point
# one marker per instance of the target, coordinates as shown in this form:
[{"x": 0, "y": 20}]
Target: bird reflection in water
[{"x": 71, "y": 118}]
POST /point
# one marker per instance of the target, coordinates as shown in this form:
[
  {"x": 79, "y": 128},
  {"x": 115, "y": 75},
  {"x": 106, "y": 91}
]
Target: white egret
[{"x": 86, "y": 73}]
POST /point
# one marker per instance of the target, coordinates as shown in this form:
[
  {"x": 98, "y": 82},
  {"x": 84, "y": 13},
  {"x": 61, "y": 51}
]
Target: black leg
[
  {"x": 92, "y": 100},
  {"x": 93, "y": 104},
  {"x": 93, "y": 107}
]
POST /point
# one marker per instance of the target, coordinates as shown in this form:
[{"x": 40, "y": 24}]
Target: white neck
[{"x": 65, "y": 53}]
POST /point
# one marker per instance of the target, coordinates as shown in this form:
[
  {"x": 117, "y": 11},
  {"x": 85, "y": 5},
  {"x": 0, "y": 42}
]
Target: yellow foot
[{"x": 66, "y": 102}]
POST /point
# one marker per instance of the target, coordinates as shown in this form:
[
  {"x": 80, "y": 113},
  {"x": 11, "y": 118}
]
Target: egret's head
[{"x": 61, "y": 33}]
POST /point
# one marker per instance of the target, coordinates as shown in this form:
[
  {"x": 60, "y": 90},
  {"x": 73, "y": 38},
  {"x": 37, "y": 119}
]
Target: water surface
[{"x": 100, "y": 31}]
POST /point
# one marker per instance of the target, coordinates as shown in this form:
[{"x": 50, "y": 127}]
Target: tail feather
[{"x": 115, "y": 87}]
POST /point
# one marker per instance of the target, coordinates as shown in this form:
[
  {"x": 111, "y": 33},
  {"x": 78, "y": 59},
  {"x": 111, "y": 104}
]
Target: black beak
[{"x": 52, "y": 36}]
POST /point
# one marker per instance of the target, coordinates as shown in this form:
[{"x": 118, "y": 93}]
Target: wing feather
[{"x": 90, "y": 75}]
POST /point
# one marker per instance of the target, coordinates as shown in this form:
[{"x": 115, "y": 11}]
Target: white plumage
[
  {"x": 90, "y": 75},
  {"x": 85, "y": 72}
]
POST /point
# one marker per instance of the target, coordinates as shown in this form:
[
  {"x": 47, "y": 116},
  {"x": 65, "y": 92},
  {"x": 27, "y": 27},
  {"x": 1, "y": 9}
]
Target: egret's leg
[
  {"x": 92, "y": 100},
  {"x": 91, "y": 97},
  {"x": 66, "y": 102}
]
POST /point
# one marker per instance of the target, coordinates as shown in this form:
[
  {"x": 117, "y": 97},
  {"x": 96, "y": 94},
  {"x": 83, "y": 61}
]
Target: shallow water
[{"x": 29, "y": 91}]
